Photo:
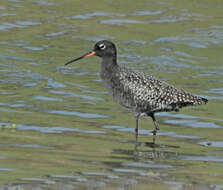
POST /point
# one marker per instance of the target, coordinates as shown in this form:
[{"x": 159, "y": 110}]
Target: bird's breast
[{"x": 117, "y": 90}]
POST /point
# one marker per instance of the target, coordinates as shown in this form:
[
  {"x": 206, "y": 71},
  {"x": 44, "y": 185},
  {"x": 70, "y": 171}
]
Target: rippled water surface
[{"x": 59, "y": 128}]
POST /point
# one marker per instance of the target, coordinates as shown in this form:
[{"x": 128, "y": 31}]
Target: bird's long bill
[{"x": 91, "y": 53}]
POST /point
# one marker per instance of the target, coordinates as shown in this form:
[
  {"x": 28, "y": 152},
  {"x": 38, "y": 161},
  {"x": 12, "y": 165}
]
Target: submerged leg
[
  {"x": 136, "y": 126},
  {"x": 156, "y": 127},
  {"x": 137, "y": 123}
]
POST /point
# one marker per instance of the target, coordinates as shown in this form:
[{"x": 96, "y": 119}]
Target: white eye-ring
[{"x": 102, "y": 46}]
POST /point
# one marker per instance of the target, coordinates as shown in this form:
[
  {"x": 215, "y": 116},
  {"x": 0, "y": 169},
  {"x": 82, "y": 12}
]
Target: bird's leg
[
  {"x": 136, "y": 126},
  {"x": 156, "y": 127},
  {"x": 155, "y": 122},
  {"x": 137, "y": 121}
]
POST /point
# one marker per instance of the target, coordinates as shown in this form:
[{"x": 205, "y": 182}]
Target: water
[{"x": 60, "y": 129}]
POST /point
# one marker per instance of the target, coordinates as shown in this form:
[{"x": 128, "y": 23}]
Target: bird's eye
[{"x": 102, "y": 46}]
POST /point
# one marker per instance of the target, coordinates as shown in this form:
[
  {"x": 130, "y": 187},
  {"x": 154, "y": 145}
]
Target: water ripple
[
  {"x": 121, "y": 21},
  {"x": 218, "y": 144},
  {"x": 192, "y": 123},
  {"x": 34, "y": 48},
  {"x": 38, "y": 180},
  {"x": 45, "y": 3},
  {"x": 54, "y": 34},
  {"x": 7, "y": 14},
  {"x": 13, "y": 57},
  {"x": 93, "y": 14},
  {"x": 7, "y": 169},
  {"x": 146, "y": 13},
  {"x": 78, "y": 114},
  {"x": 13, "y": 111},
  {"x": 70, "y": 94},
  {"x": 2, "y": 8},
  {"x": 169, "y": 20},
  {"x": 215, "y": 91},
  {"x": 201, "y": 39},
  {"x": 44, "y": 129},
  {"x": 45, "y": 98},
  {"x": 53, "y": 84},
  {"x": 181, "y": 40},
  {"x": 76, "y": 178},
  {"x": 147, "y": 132},
  {"x": 109, "y": 14},
  {"x": 28, "y": 146},
  {"x": 147, "y": 165},
  {"x": 18, "y": 24},
  {"x": 202, "y": 158},
  {"x": 108, "y": 175},
  {"x": 130, "y": 171}
]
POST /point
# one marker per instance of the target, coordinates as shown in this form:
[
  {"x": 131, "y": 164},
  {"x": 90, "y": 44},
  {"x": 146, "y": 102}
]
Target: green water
[{"x": 59, "y": 127}]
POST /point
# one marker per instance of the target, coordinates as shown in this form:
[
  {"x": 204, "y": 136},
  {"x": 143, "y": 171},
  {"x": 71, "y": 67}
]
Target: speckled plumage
[
  {"x": 142, "y": 93},
  {"x": 146, "y": 94}
]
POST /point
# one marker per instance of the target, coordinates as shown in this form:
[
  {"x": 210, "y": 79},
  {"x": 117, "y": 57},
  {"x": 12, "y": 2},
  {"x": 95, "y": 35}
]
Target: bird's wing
[{"x": 152, "y": 94}]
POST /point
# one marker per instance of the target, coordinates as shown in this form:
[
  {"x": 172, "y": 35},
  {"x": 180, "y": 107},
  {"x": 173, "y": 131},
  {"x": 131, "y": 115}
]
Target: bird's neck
[{"x": 108, "y": 66}]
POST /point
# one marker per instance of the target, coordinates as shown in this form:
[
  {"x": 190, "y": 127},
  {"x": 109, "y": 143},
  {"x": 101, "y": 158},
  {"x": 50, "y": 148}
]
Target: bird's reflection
[
  {"x": 198, "y": 186},
  {"x": 155, "y": 151}
]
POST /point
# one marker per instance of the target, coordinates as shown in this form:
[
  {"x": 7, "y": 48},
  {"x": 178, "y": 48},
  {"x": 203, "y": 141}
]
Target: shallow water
[{"x": 60, "y": 129}]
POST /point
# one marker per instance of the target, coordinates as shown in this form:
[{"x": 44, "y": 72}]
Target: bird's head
[{"x": 103, "y": 49}]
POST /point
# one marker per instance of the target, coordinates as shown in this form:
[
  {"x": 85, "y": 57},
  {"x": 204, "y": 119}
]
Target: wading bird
[{"x": 140, "y": 92}]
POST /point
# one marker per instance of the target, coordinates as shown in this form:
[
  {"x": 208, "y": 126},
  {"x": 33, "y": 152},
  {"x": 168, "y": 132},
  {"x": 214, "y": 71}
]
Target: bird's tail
[
  {"x": 190, "y": 100},
  {"x": 204, "y": 100},
  {"x": 199, "y": 101}
]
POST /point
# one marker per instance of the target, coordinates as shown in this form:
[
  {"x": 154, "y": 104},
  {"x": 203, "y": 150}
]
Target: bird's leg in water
[
  {"x": 136, "y": 127},
  {"x": 156, "y": 127}
]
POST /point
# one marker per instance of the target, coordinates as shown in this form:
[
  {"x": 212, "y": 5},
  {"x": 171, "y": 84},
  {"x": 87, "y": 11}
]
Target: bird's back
[{"x": 145, "y": 93}]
